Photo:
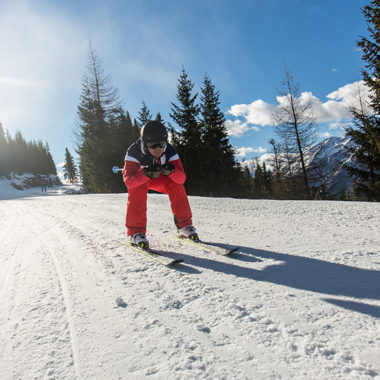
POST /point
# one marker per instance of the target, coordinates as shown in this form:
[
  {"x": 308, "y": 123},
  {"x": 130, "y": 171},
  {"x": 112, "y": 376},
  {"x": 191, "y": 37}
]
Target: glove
[
  {"x": 153, "y": 171},
  {"x": 167, "y": 168}
]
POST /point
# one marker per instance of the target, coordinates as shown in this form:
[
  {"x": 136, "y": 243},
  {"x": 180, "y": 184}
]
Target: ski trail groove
[
  {"x": 65, "y": 296},
  {"x": 87, "y": 270}
]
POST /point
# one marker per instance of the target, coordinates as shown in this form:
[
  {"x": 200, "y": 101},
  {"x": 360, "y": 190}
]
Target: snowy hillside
[
  {"x": 329, "y": 155},
  {"x": 21, "y": 186},
  {"x": 300, "y": 301}
]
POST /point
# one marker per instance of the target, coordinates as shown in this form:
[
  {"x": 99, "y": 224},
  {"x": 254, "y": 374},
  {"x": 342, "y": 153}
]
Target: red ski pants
[{"x": 137, "y": 203}]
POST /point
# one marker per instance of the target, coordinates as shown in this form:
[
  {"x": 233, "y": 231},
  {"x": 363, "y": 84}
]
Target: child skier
[{"x": 152, "y": 163}]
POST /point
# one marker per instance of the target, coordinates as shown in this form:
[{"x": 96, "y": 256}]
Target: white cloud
[
  {"x": 340, "y": 125},
  {"x": 236, "y": 128},
  {"x": 258, "y": 112},
  {"x": 348, "y": 94},
  {"x": 244, "y": 151},
  {"x": 335, "y": 109}
]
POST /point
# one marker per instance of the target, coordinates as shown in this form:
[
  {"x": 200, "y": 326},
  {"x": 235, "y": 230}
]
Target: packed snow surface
[{"x": 301, "y": 299}]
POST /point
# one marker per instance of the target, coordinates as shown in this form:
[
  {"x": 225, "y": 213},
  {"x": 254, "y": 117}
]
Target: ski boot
[
  {"x": 188, "y": 232},
  {"x": 140, "y": 240}
]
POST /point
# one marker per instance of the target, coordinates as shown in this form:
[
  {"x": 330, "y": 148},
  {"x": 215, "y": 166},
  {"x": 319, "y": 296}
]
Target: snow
[
  {"x": 300, "y": 301},
  {"x": 8, "y": 191}
]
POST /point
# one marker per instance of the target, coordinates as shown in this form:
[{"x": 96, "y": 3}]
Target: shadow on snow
[{"x": 303, "y": 273}]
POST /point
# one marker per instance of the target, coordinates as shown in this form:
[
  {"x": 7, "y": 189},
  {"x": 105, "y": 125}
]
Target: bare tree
[
  {"x": 295, "y": 125},
  {"x": 276, "y": 157}
]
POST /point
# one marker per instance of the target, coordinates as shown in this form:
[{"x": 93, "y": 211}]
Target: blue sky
[{"x": 243, "y": 46}]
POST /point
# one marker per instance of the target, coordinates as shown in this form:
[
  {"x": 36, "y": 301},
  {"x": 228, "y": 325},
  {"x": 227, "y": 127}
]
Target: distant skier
[{"x": 152, "y": 163}]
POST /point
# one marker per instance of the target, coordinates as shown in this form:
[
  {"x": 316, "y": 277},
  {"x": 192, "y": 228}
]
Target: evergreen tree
[
  {"x": 98, "y": 105},
  {"x": 123, "y": 133},
  {"x": 50, "y": 165},
  {"x": 4, "y": 159},
  {"x": 144, "y": 115},
  {"x": 366, "y": 133},
  {"x": 258, "y": 187},
  {"x": 188, "y": 139},
  {"x": 70, "y": 170},
  {"x": 267, "y": 181},
  {"x": 262, "y": 182},
  {"x": 247, "y": 183},
  {"x": 160, "y": 119},
  {"x": 19, "y": 156},
  {"x": 105, "y": 130},
  {"x": 37, "y": 154},
  {"x": 222, "y": 175}
]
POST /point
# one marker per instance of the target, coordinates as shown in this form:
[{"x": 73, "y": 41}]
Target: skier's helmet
[{"x": 153, "y": 131}]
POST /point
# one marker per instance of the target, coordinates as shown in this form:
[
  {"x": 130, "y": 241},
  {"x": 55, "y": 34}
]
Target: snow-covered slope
[
  {"x": 300, "y": 301},
  {"x": 329, "y": 156},
  {"x": 22, "y": 186}
]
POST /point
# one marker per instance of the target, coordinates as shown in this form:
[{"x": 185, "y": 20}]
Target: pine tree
[
  {"x": 366, "y": 133},
  {"x": 4, "y": 154},
  {"x": 267, "y": 181},
  {"x": 258, "y": 182},
  {"x": 19, "y": 156},
  {"x": 123, "y": 133},
  {"x": 98, "y": 105},
  {"x": 144, "y": 115},
  {"x": 188, "y": 139},
  {"x": 160, "y": 119},
  {"x": 222, "y": 175},
  {"x": 50, "y": 165},
  {"x": 247, "y": 183},
  {"x": 70, "y": 170}
]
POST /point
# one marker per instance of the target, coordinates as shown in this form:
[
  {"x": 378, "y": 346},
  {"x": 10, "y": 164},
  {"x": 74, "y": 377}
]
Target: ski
[
  {"x": 211, "y": 247},
  {"x": 157, "y": 256}
]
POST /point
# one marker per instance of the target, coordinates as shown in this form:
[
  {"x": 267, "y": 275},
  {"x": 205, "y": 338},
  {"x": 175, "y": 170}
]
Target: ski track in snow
[{"x": 301, "y": 300}]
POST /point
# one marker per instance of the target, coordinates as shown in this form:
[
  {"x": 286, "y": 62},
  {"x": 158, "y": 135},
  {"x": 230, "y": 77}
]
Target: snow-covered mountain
[
  {"x": 329, "y": 156},
  {"x": 300, "y": 300}
]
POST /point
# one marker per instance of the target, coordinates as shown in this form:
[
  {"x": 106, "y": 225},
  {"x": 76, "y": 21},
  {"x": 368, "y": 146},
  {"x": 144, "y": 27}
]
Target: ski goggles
[{"x": 156, "y": 144}]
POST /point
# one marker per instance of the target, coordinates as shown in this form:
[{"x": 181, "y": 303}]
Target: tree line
[
  {"x": 198, "y": 132},
  {"x": 19, "y": 156},
  {"x": 296, "y": 131},
  {"x": 106, "y": 130}
]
